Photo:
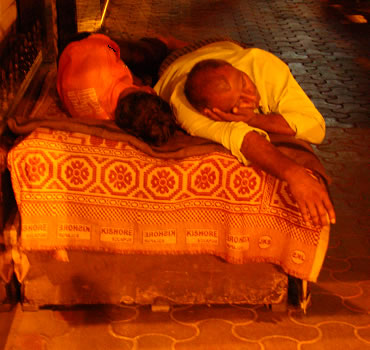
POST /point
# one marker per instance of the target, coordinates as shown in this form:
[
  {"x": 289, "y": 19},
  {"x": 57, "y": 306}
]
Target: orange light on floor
[{"x": 357, "y": 18}]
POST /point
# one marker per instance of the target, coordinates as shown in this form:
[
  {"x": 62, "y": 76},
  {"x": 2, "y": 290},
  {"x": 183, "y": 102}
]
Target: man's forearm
[
  {"x": 272, "y": 123},
  {"x": 262, "y": 153}
]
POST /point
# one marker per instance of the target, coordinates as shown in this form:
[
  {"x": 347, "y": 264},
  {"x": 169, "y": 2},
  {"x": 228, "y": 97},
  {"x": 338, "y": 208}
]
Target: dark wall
[
  {"x": 67, "y": 21},
  {"x": 29, "y": 12}
]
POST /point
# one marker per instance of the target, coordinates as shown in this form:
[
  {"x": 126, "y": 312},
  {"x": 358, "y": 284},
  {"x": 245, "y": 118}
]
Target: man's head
[
  {"x": 145, "y": 116},
  {"x": 216, "y": 83}
]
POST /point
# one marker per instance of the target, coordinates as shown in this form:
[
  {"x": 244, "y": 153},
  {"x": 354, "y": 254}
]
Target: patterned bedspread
[{"x": 85, "y": 192}]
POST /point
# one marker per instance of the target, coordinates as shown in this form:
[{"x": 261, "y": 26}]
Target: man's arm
[
  {"x": 248, "y": 146},
  {"x": 312, "y": 197},
  {"x": 271, "y": 123}
]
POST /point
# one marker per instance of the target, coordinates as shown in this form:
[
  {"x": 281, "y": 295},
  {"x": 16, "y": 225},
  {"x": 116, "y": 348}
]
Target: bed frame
[{"x": 64, "y": 251}]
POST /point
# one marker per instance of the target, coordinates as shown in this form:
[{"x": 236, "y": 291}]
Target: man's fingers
[
  {"x": 223, "y": 116},
  {"x": 314, "y": 213},
  {"x": 304, "y": 210},
  {"x": 313, "y": 201},
  {"x": 323, "y": 215},
  {"x": 219, "y": 115},
  {"x": 244, "y": 111},
  {"x": 317, "y": 213},
  {"x": 325, "y": 210},
  {"x": 211, "y": 114},
  {"x": 330, "y": 210}
]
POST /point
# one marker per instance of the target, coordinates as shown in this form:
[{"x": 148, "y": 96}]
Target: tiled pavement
[{"x": 329, "y": 55}]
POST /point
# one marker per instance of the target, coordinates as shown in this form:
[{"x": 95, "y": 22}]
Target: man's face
[{"x": 242, "y": 94}]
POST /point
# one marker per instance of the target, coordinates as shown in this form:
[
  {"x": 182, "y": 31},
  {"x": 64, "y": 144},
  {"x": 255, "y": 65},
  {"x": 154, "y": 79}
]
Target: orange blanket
[{"x": 78, "y": 191}]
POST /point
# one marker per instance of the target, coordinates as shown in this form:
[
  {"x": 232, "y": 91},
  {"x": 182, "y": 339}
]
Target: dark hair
[
  {"x": 146, "y": 116},
  {"x": 204, "y": 81},
  {"x": 143, "y": 57}
]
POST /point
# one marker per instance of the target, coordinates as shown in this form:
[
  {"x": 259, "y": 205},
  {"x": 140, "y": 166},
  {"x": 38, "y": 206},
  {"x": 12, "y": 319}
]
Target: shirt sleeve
[
  {"x": 229, "y": 134},
  {"x": 287, "y": 98},
  {"x": 301, "y": 114}
]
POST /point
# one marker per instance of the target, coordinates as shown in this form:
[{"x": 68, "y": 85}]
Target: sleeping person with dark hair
[{"x": 93, "y": 80}]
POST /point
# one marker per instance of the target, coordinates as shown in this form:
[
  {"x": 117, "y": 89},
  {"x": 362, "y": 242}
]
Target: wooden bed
[{"x": 104, "y": 218}]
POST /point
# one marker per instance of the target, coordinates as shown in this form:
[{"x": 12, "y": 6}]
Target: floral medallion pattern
[
  {"x": 163, "y": 182},
  {"x": 119, "y": 178},
  {"x": 206, "y": 178},
  {"x": 77, "y": 172},
  {"x": 84, "y": 189},
  {"x": 35, "y": 169},
  {"x": 245, "y": 183}
]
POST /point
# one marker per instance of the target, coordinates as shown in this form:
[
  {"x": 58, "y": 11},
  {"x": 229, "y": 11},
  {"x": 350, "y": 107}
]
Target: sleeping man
[{"x": 237, "y": 97}]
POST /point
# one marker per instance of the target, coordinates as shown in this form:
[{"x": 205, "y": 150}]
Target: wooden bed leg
[
  {"x": 27, "y": 306},
  {"x": 298, "y": 293},
  {"x": 6, "y": 302},
  {"x": 305, "y": 297},
  {"x": 161, "y": 305}
]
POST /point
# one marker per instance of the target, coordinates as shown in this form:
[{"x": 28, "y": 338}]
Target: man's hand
[
  {"x": 312, "y": 197},
  {"x": 245, "y": 115},
  {"x": 271, "y": 123}
]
